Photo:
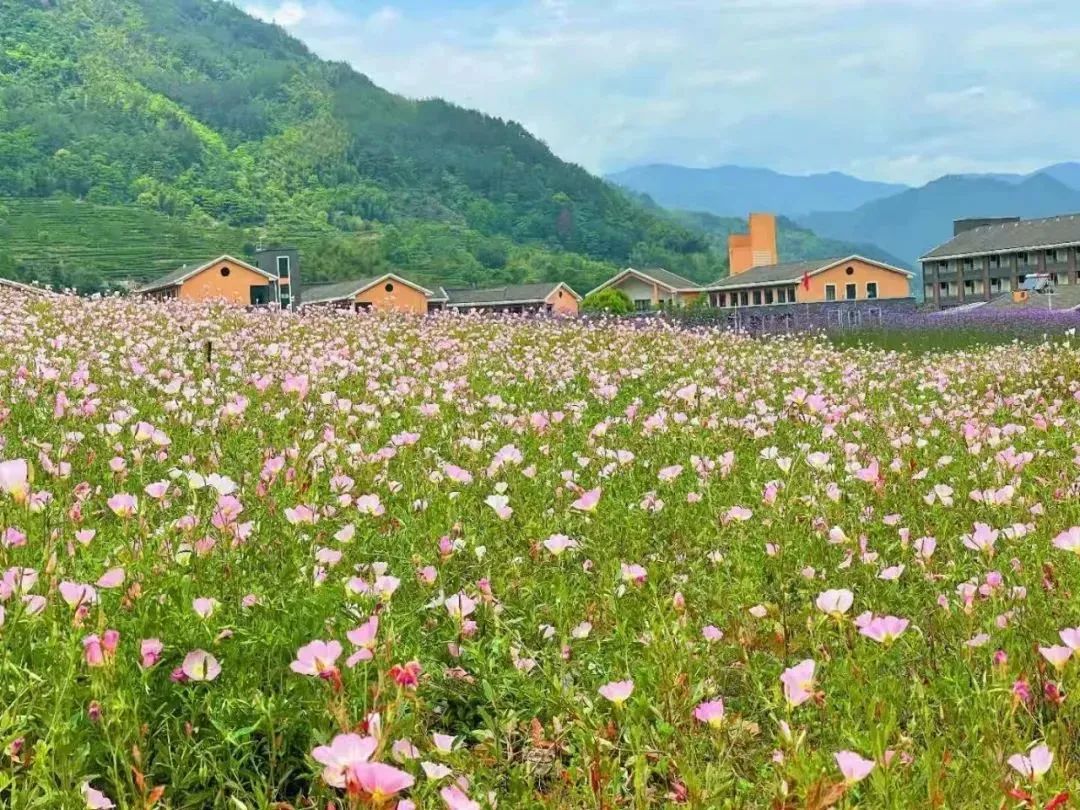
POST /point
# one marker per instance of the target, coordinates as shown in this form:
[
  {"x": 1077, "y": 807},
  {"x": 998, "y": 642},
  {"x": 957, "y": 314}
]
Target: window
[
  {"x": 850, "y": 271},
  {"x": 768, "y": 296},
  {"x": 225, "y": 271},
  {"x": 642, "y": 304},
  {"x": 744, "y": 299},
  {"x": 781, "y": 296},
  {"x": 851, "y": 291},
  {"x": 285, "y": 299},
  {"x": 830, "y": 292},
  {"x": 757, "y": 298},
  {"x": 969, "y": 286},
  {"x": 389, "y": 287},
  {"x": 995, "y": 261},
  {"x": 995, "y": 284},
  {"x": 969, "y": 265},
  {"x": 871, "y": 289},
  {"x": 283, "y": 266}
]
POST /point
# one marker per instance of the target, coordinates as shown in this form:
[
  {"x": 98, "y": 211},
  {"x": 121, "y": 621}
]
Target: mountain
[
  {"x": 913, "y": 222},
  {"x": 794, "y": 243},
  {"x": 192, "y": 118},
  {"x": 1065, "y": 173},
  {"x": 737, "y": 190}
]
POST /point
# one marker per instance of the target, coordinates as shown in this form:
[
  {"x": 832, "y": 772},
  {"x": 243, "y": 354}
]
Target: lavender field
[{"x": 457, "y": 562}]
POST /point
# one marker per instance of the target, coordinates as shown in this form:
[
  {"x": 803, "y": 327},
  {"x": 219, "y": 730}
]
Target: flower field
[{"x": 362, "y": 561}]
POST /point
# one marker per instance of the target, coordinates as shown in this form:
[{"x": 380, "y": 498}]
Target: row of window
[
  {"x": 997, "y": 260},
  {"x": 851, "y": 291},
  {"x": 976, "y": 286}
]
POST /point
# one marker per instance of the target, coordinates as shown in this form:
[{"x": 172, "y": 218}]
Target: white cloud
[
  {"x": 896, "y": 89},
  {"x": 288, "y": 14}
]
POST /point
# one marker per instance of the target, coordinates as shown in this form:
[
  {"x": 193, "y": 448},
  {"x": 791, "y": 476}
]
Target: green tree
[{"x": 610, "y": 300}]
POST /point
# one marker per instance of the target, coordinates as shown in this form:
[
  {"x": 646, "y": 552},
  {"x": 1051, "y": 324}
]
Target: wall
[
  {"x": 210, "y": 284},
  {"x": 740, "y": 258},
  {"x": 562, "y": 302},
  {"x": 638, "y": 290},
  {"x": 890, "y": 284},
  {"x": 763, "y": 239},
  {"x": 402, "y": 298}
]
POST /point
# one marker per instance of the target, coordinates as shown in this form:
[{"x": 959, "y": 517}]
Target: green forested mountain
[{"x": 137, "y": 134}]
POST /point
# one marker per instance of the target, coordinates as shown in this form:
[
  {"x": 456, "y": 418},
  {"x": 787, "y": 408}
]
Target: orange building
[
  {"x": 223, "y": 279},
  {"x": 757, "y": 278},
  {"x": 756, "y": 248},
  {"x": 552, "y": 296},
  {"x": 850, "y": 279},
  {"x": 388, "y": 292}
]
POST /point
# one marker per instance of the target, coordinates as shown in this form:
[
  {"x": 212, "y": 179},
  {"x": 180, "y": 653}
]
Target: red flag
[{"x": 806, "y": 280}]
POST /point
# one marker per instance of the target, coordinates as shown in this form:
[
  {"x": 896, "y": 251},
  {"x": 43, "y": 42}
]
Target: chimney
[{"x": 756, "y": 248}]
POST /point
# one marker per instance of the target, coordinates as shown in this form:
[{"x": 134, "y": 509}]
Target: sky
[{"x": 896, "y": 90}]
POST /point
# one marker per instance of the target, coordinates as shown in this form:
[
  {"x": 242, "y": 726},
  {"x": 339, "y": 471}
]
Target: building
[
  {"x": 222, "y": 279},
  {"x": 29, "y": 289},
  {"x": 990, "y": 257},
  {"x": 555, "y": 297},
  {"x": 816, "y": 281},
  {"x": 652, "y": 288},
  {"x": 757, "y": 248},
  {"x": 388, "y": 292},
  {"x": 284, "y": 264}
]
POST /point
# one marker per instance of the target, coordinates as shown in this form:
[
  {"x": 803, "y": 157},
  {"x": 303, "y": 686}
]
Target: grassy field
[{"x": 455, "y": 562}]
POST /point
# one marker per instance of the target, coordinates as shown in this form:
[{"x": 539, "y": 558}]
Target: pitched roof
[
  {"x": 790, "y": 272},
  {"x": 343, "y": 290},
  {"x": 1004, "y": 237},
  {"x": 182, "y": 274},
  {"x": 509, "y": 294},
  {"x": 29, "y": 288},
  {"x": 664, "y": 277}
]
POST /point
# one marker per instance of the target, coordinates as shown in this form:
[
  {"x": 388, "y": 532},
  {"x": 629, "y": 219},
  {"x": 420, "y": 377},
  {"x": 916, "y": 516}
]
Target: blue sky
[{"x": 900, "y": 90}]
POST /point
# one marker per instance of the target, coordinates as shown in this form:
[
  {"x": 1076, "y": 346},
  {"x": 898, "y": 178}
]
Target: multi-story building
[
  {"x": 989, "y": 257},
  {"x": 284, "y": 264}
]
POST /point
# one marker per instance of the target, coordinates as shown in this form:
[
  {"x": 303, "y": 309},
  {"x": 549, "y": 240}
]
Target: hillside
[
  {"x": 913, "y": 222},
  {"x": 193, "y": 111},
  {"x": 794, "y": 243},
  {"x": 735, "y": 191}
]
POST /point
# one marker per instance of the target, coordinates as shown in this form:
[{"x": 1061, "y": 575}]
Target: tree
[{"x": 609, "y": 300}]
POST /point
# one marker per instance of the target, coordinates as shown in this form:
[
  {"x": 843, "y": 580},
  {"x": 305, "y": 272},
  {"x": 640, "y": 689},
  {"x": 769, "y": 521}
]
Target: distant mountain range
[
  {"x": 913, "y": 222},
  {"x": 734, "y": 191},
  {"x": 897, "y": 220}
]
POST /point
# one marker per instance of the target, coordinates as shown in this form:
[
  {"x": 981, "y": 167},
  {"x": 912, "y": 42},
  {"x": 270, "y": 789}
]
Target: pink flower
[
  {"x": 982, "y": 538},
  {"x": 1069, "y": 540},
  {"x": 1070, "y": 637},
  {"x": 835, "y": 603},
  {"x": 588, "y": 501},
  {"x": 364, "y": 637},
  {"x": 123, "y": 505},
  {"x": 92, "y": 651},
  {"x": 618, "y": 692},
  {"x": 1034, "y": 764},
  {"x": 1057, "y": 655},
  {"x": 317, "y": 658},
  {"x": 853, "y": 767},
  {"x": 380, "y": 781},
  {"x": 884, "y": 629},
  {"x": 345, "y": 752},
  {"x": 711, "y": 712},
  {"x": 635, "y": 574},
  {"x": 501, "y": 505},
  {"x": 14, "y": 479},
  {"x": 711, "y": 633},
  {"x": 77, "y": 594},
  {"x": 95, "y": 799},
  {"x": 459, "y": 606},
  {"x": 798, "y": 682},
  {"x": 457, "y": 799},
  {"x": 204, "y": 606},
  {"x": 200, "y": 665},
  {"x": 558, "y": 543},
  {"x": 444, "y": 743},
  {"x": 150, "y": 651},
  {"x": 113, "y": 578}
]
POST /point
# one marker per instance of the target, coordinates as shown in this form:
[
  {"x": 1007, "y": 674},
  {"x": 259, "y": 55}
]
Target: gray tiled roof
[
  {"x": 666, "y": 277},
  {"x": 167, "y": 280},
  {"x": 180, "y": 273},
  {"x": 1009, "y": 236},
  {"x": 517, "y": 293},
  {"x": 338, "y": 291},
  {"x": 772, "y": 273}
]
